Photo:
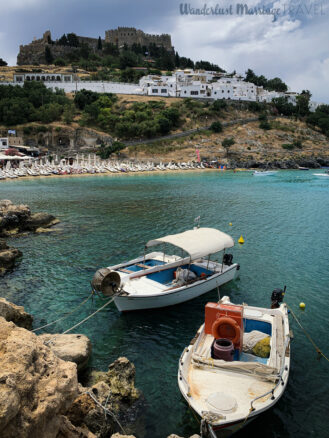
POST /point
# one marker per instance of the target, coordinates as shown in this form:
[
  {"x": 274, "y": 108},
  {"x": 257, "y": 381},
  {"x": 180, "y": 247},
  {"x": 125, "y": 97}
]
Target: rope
[
  {"x": 317, "y": 349},
  {"x": 106, "y": 410},
  {"x": 81, "y": 322},
  {"x": 65, "y": 315}
]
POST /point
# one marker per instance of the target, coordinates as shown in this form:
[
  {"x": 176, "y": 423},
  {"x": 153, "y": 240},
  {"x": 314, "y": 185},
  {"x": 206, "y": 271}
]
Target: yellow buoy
[
  {"x": 241, "y": 240},
  {"x": 230, "y": 224},
  {"x": 302, "y": 305}
]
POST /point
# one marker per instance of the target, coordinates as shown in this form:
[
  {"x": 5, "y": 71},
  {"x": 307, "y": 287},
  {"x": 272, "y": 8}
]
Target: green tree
[
  {"x": 85, "y": 97},
  {"x": 60, "y": 62},
  {"x": 303, "y": 102},
  {"x": 62, "y": 40},
  {"x": 99, "y": 43},
  {"x": 283, "y": 107},
  {"x": 128, "y": 59},
  {"x": 2, "y": 63},
  {"x": 227, "y": 143},
  {"x": 48, "y": 55},
  {"x": 68, "y": 114},
  {"x": 72, "y": 40},
  {"x": 218, "y": 105}
]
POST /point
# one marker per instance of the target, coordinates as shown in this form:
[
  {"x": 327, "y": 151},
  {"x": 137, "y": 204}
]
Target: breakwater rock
[
  {"x": 8, "y": 257},
  {"x": 36, "y": 387},
  {"x": 16, "y": 219}
]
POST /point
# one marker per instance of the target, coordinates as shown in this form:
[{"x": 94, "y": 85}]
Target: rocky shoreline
[
  {"x": 312, "y": 163},
  {"x": 40, "y": 391},
  {"x": 16, "y": 220}
]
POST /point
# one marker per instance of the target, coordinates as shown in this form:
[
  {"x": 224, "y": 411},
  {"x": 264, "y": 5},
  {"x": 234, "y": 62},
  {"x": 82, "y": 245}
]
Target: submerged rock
[
  {"x": 15, "y": 219},
  {"x": 8, "y": 257},
  {"x": 116, "y": 391},
  {"x": 15, "y": 314},
  {"x": 40, "y": 220},
  {"x": 36, "y": 387},
  {"x": 71, "y": 347}
]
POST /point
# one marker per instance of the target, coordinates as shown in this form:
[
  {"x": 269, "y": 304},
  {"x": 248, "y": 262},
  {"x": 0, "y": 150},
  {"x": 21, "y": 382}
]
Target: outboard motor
[
  {"x": 277, "y": 297},
  {"x": 106, "y": 281},
  {"x": 228, "y": 259}
]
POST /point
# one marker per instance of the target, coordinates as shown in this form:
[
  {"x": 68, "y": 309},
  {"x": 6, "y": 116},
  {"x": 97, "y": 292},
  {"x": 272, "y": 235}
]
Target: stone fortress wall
[
  {"x": 34, "y": 53},
  {"x": 130, "y": 35}
]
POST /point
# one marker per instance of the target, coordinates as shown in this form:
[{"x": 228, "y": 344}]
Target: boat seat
[
  {"x": 141, "y": 265},
  {"x": 127, "y": 271}
]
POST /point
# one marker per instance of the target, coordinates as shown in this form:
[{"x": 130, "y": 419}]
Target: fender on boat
[{"x": 106, "y": 281}]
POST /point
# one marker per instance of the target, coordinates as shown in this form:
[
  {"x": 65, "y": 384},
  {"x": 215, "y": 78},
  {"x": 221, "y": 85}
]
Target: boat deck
[{"x": 162, "y": 279}]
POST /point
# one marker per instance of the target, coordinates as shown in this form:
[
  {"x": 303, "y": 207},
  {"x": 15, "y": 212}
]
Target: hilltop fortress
[{"x": 35, "y": 52}]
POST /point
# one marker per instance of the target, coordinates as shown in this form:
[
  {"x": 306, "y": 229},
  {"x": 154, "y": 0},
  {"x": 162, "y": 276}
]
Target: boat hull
[{"x": 173, "y": 297}]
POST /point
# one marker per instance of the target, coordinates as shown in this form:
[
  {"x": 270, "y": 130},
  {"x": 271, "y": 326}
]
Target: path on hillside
[{"x": 192, "y": 131}]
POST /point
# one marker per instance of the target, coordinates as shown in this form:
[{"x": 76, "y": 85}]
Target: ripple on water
[{"x": 104, "y": 220}]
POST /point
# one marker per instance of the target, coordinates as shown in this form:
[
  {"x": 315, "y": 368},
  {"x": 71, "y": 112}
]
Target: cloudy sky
[{"x": 293, "y": 45}]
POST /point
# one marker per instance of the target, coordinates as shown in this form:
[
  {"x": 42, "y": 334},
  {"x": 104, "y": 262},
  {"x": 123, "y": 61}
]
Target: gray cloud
[{"x": 294, "y": 47}]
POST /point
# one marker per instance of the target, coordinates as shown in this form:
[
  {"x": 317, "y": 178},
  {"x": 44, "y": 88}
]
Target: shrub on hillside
[{"x": 216, "y": 127}]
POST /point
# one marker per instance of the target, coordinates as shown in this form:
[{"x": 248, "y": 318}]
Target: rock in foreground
[
  {"x": 36, "y": 387},
  {"x": 73, "y": 348},
  {"x": 16, "y": 314},
  {"x": 8, "y": 257},
  {"x": 115, "y": 389}
]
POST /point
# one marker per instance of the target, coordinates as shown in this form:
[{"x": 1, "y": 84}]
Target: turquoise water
[{"x": 106, "y": 220}]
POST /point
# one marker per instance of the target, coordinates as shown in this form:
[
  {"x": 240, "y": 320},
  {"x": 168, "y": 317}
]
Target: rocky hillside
[
  {"x": 283, "y": 140},
  {"x": 287, "y": 142}
]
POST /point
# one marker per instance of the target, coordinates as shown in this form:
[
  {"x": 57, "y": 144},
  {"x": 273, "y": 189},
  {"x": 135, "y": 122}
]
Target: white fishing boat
[
  {"x": 158, "y": 279},
  {"x": 264, "y": 172},
  {"x": 221, "y": 375}
]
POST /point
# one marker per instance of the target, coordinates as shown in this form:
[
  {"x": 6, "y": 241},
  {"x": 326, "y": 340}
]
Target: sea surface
[{"x": 284, "y": 220}]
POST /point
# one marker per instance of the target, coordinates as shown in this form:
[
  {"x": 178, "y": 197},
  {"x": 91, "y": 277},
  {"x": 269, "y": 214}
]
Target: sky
[{"x": 290, "y": 40}]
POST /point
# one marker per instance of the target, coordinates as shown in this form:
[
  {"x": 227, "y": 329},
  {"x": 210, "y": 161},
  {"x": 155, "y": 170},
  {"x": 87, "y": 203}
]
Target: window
[
  {"x": 154, "y": 90},
  {"x": 194, "y": 93},
  {"x": 202, "y": 91},
  {"x": 215, "y": 92},
  {"x": 222, "y": 91},
  {"x": 163, "y": 90},
  {"x": 185, "y": 92}
]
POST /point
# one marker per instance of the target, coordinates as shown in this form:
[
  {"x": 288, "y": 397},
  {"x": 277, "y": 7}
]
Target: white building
[
  {"x": 182, "y": 83},
  {"x": 43, "y": 77}
]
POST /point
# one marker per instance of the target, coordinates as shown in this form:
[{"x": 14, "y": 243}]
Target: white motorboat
[
  {"x": 264, "y": 172},
  {"x": 322, "y": 175},
  {"x": 221, "y": 375},
  {"x": 158, "y": 280}
]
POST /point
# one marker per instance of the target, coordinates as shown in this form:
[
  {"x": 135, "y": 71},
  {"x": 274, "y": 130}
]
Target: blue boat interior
[
  {"x": 250, "y": 325},
  {"x": 167, "y": 275}
]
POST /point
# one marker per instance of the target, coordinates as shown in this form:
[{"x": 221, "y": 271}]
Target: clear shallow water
[{"x": 105, "y": 220}]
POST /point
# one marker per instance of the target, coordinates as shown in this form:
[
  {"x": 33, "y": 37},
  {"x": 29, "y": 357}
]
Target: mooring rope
[
  {"x": 317, "y": 349},
  {"x": 81, "y": 322},
  {"x": 65, "y": 315},
  {"x": 106, "y": 410}
]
